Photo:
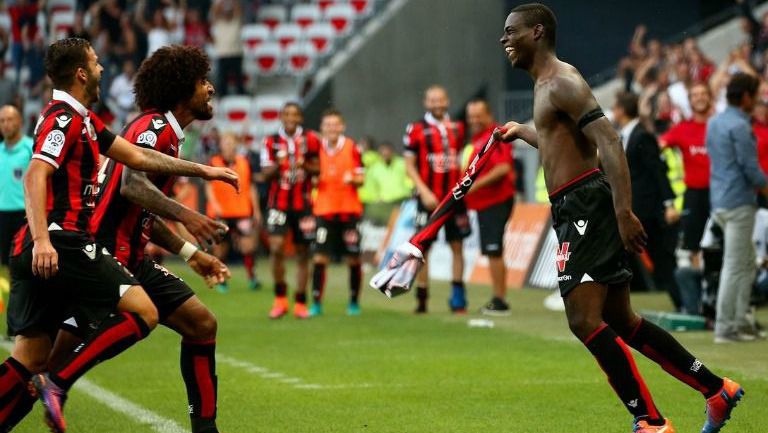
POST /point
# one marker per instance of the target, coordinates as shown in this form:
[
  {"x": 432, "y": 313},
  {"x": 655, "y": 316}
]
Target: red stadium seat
[
  {"x": 61, "y": 23},
  {"x": 265, "y": 109},
  {"x": 253, "y": 35},
  {"x": 301, "y": 58},
  {"x": 288, "y": 34},
  {"x": 272, "y": 15},
  {"x": 306, "y": 14},
  {"x": 321, "y": 35},
  {"x": 267, "y": 58},
  {"x": 324, "y": 4},
  {"x": 234, "y": 109},
  {"x": 362, "y": 8},
  {"x": 341, "y": 16}
]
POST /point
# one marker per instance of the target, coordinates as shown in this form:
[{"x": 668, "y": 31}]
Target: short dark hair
[
  {"x": 293, "y": 104},
  {"x": 169, "y": 77},
  {"x": 332, "y": 112},
  {"x": 628, "y": 102},
  {"x": 482, "y": 101},
  {"x": 740, "y": 85},
  {"x": 537, "y": 13},
  {"x": 63, "y": 59}
]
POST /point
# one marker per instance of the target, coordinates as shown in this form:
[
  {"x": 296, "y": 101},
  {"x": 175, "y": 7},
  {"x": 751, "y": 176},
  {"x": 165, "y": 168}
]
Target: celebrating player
[
  {"x": 241, "y": 212},
  {"x": 432, "y": 160},
  {"x": 338, "y": 209},
  {"x": 68, "y": 140},
  {"x": 595, "y": 227},
  {"x": 287, "y": 160}
]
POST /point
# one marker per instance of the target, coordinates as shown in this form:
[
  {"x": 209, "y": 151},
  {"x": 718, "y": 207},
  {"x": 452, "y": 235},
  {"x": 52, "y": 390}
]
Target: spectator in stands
[
  {"x": 337, "y": 209},
  {"x": 735, "y": 174},
  {"x": 737, "y": 61},
  {"x": 433, "y": 147},
  {"x": 678, "y": 90},
  {"x": 226, "y": 24},
  {"x": 195, "y": 30},
  {"x": 492, "y": 196},
  {"x": 15, "y": 154},
  {"x": 652, "y": 195},
  {"x": 756, "y": 30},
  {"x": 240, "y": 211},
  {"x": 24, "y": 33},
  {"x": 8, "y": 89},
  {"x": 388, "y": 180},
  {"x": 161, "y": 30},
  {"x": 121, "y": 95}
]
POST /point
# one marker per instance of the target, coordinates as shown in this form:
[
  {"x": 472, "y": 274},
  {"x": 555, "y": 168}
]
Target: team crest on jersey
[
  {"x": 147, "y": 137},
  {"x": 562, "y": 256},
  {"x": 53, "y": 143}
]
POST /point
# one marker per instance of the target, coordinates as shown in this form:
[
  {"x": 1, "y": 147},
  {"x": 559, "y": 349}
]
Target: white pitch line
[{"x": 119, "y": 404}]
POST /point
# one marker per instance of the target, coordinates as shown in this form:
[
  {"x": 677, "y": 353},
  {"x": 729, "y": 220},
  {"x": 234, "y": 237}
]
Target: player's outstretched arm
[
  {"x": 137, "y": 188},
  {"x": 45, "y": 259},
  {"x": 144, "y": 159},
  {"x": 207, "y": 266},
  {"x": 573, "y": 96}
]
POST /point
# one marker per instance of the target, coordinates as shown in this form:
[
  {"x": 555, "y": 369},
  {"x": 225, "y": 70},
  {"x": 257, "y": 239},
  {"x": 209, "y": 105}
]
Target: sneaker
[
  {"x": 316, "y": 309},
  {"x": 53, "y": 398},
  {"x": 300, "y": 310},
  {"x": 279, "y": 308},
  {"x": 736, "y": 337},
  {"x": 720, "y": 405},
  {"x": 254, "y": 284},
  {"x": 642, "y": 426},
  {"x": 458, "y": 301},
  {"x": 353, "y": 309},
  {"x": 496, "y": 307},
  {"x": 222, "y": 288}
]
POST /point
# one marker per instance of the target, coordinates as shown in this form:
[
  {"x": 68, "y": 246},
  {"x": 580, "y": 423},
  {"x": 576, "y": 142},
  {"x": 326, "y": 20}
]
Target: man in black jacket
[{"x": 652, "y": 195}]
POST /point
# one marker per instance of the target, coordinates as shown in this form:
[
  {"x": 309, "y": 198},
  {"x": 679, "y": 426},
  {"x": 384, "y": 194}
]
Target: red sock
[
  {"x": 248, "y": 262},
  {"x": 115, "y": 335}
]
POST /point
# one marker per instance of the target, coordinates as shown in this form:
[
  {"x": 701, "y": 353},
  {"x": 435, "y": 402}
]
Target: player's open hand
[
  {"x": 45, "y": 259},
  {"x": 397, "y": 276},
  {"x": 223, "y": 174},
  {"x": 205, "y": 230},
  {"x": 632, "y": 233},
  {"x": 210, "y": 268}
]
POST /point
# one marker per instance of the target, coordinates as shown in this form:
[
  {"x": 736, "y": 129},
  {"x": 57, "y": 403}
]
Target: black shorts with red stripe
[
  {"x": 338, "y": 234},
  {"x": 589, "y": 245},
  {"x": 88, "y": 276},
  {"x": 167, "y": 291}
]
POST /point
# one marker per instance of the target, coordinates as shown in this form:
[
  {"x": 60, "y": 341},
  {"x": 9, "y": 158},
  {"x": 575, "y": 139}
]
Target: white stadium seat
[
  {"x": 234, "y": 109},
  {"x": 267, "y": 58},
  {"x": 61, "y": 24},
  {"x": 306, "y": 14},
  {"x": 55, "y": 6},
  {"x": 266, "y": 108},
  {"x": 324, "y": 4},
  {"x": 321, "y": 35},
  {"x": 253, "y": 35},
  {"x": 301, "y": 58},
  {"x": 341, "y": 16},
  {"x": 287, "y": 34},
  {"x": 272, "y": 15},
  {"x": 362, "y": 8}
]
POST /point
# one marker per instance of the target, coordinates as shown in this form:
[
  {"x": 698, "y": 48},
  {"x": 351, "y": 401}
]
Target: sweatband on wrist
[{"x": 187, "y": 251}]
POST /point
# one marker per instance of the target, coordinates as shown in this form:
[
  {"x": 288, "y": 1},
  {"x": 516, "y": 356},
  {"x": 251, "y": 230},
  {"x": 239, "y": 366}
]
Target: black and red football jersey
[
  {"x": 69, "y": 137},
  {"x": 291, "y": 190},
  {"x": 122, "y": 226},
  {"x": 437, "y": 146}
]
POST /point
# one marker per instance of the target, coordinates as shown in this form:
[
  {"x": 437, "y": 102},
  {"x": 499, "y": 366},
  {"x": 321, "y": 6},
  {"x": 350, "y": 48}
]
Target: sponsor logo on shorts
[
  {"x": 696, "y": 366},
  {"x": 562, "y": 255},
  {"x": 632, "y": 403},
  {"x": 581, "y": 226},
  {"x": 562, "y": 278},
  {"x": 90, "y": 251}
]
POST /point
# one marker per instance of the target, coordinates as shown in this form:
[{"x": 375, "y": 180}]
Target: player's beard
[
  {"x": 92, "y": 88},
  {"x": 202, "y": 111}
]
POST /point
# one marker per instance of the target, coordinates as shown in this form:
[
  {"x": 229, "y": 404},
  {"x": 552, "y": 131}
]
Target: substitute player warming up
[{"x": 595, "y": 227}]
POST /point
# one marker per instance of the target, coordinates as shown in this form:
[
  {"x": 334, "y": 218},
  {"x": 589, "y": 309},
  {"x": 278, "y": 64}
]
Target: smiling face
[
  {"x": 518, "y": 41},
  {"x": 436, "y": 101},
  {"x": 700, "y": 98}
]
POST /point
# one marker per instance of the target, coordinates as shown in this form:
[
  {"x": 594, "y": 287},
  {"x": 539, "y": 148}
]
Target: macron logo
[
  {"x": 63, "y": 120},
  {"x": 632, "y": 403},
  {"x": 581, "y": 226},
  {"x": 157, "y": 123}
]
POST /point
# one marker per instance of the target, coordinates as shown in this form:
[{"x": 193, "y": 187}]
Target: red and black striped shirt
[
  {"x": 69, "y": 137},
  {"x": 437, "y": 147},
  {"x": 122, "y": 226},
  {"x": 291, "y": 190}
]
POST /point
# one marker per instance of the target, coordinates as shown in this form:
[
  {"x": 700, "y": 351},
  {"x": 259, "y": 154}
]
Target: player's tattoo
[
  {"x": 165, "y": 238},
  {"x": 137, "y": 188}
]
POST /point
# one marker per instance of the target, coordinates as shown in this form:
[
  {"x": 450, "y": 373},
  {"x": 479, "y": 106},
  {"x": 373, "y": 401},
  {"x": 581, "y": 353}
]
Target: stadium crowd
[{"x": 671, "y": 95}]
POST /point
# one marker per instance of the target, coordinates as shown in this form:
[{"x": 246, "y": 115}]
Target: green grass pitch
[{"x": 391, "y": 371}]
